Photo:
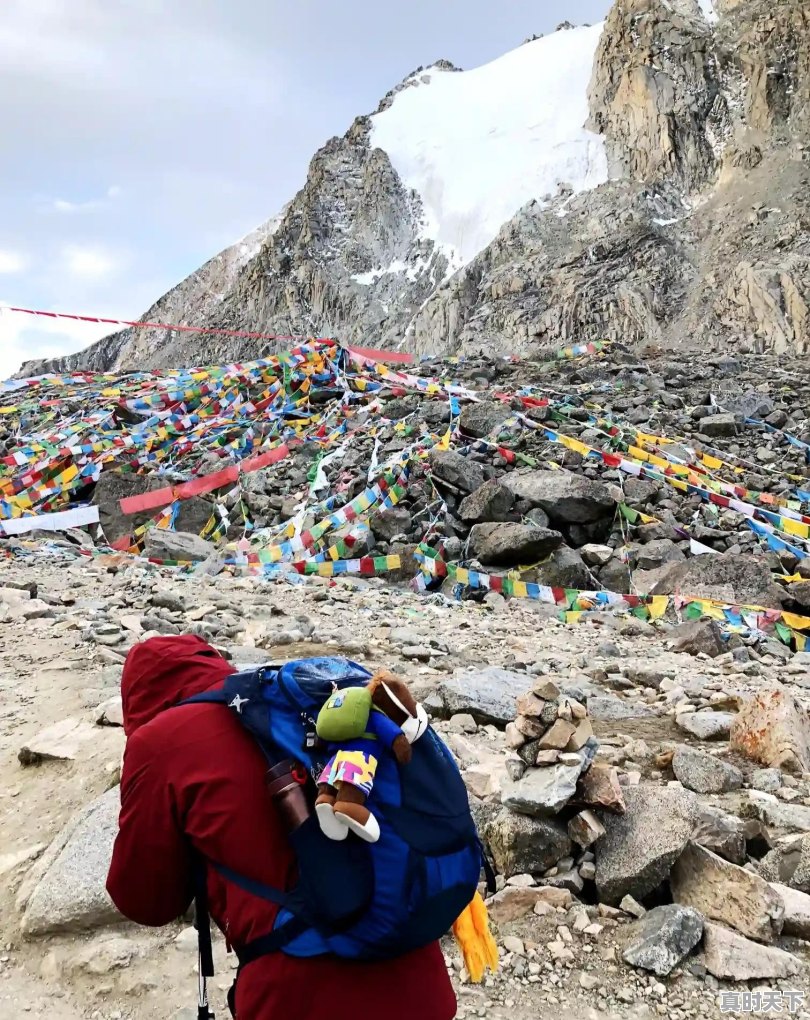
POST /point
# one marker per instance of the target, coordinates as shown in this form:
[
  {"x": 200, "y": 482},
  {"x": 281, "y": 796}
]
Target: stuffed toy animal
[{"x": 360, "y": 725}]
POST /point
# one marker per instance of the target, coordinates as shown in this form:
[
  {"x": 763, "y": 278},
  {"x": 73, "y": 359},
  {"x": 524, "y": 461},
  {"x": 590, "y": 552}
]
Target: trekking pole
[
  {"x": 203, "y": 1011},
  {"x": 205, "y": 954}
]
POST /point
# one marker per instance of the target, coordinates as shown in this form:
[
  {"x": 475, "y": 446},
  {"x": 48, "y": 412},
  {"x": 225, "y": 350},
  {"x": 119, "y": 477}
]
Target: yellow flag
[
  {"x": 795, "y": 527},
  {"x": 796, "y": 622},
  {"x": 575, "y": 444}
]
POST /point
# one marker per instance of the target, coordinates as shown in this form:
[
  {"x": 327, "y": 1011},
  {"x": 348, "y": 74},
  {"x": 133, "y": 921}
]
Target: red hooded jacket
[{"x": 194, "y": 775}]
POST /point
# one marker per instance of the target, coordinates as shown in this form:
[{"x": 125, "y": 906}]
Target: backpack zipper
[{"x": 309, "y": 723}]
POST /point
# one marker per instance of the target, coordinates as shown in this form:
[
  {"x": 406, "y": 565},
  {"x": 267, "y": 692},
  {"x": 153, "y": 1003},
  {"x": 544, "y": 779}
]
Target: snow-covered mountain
[
  {"x": 478, "y": 145},
  {"x": 643, "y": 179}
]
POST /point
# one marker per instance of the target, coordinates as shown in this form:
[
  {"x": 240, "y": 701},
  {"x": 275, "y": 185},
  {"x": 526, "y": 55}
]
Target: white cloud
[
  {"x": 64, "y": 205},
  {"x": 12, "y": 261},
  {"x": 87, "y": 262},
  {"x": 25, "y": 336}
]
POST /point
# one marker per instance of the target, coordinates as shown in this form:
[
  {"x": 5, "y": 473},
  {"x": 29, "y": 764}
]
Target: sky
[{"x": 140, "y": 139}]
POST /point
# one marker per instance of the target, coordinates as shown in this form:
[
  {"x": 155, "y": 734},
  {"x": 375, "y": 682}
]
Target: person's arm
[
  {"x": 150, "y": 877},
  {"x": 383, "y": 728}
]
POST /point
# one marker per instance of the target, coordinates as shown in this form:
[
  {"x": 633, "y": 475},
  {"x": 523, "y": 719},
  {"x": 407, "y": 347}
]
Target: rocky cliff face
[{"x": 700, "y": 238}]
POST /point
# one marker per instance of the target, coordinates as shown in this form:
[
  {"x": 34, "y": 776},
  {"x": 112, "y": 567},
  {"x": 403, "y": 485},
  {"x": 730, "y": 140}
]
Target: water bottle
[{"x": 286, "y": 784}]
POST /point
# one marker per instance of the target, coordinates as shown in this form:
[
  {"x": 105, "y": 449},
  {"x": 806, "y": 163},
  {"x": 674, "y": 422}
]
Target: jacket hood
[{"x": 162, "y": 671}]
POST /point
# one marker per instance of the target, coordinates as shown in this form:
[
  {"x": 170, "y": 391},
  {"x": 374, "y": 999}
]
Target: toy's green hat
[{"x": 345, "y": 715}]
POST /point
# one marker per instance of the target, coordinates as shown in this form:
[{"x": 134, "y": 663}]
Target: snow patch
[
  {"x": 230, "y": 262},
  {"x": 411, "y": 271},
  {"x": 478, "y": 145},
  {"x": 709, "y": 13}
]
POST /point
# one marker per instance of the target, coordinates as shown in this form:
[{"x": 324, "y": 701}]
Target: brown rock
[
  {"x": 585, "y": 828},
  {"x": 547, "y": 690},
  {"x": 514, "y": 738},
  {"x": 581, "y": 735},
  {"x": 730, "y": 956},
  {"x": 530, "y": 705},
  {"x": 555, "y": 896},
  {"x": 696, "y": 636},
  {"x": 599, "y": 787},
  {"x": 772, "y": 728},
  {"x": 512, "y": 903},
  {"x": 530, "y": 728},
  {"x": 558, "y": 735},
  {"x": 726, "y": 892}
]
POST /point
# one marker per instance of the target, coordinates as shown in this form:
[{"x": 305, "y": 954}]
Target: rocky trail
[
  {"x": 593, "y": 574},
  {"x": 562, "y": 924}
]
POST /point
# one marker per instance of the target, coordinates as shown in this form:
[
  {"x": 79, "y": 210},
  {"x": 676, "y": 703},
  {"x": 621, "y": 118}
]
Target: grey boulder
[
  {"x": 521, "y": 845},
  {"x": 605, "y": 708},
  {"x": 731, "y": 577},
  {"x": 789, "y": 862},
  {"x": 543, "y": 791},
  {"x": 706, "y": 725},
  {"x": 722, "y": 833},
  {"x": 460, "y": 472},
  {"x": 176, "y": 545},
  {"x": 113, "y": 486},
  {"x": 733, "y": 957},
  {"x": 492, "y": 502},
  {"x": 704, "y": 773},
  {"x": 695, "y": 637},
  {"x": 507, "y": 545},
  {"x": 663, "y": 938},
  {"x": 65, "y": 890},
  {"x": 727, "y": 893},
  {"x": 566, "y": 498},
  {"x": 639, "y": 847},
  {"x": 480, "y": 419},
  {"x": 488, "y": 694},
  {"x": 723, "y": 425}
]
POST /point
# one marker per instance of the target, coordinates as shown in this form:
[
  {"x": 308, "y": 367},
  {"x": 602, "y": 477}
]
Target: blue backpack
[{"x": 357, "y": 900}]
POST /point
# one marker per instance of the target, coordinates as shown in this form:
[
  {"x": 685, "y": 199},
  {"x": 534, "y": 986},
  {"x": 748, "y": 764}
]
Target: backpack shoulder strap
[
  {"x": 259, "y": 889},
  {"x": 218, "y": 697}
]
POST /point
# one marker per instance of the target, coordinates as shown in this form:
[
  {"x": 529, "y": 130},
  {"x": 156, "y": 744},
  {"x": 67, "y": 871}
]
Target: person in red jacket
[{"x": 193, "y": 778}]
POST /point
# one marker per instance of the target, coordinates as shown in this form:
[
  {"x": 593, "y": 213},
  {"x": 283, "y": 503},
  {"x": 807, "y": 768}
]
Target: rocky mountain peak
[
  {"x": 655, "y": 93},
  {"x": 647, "y": 181}
]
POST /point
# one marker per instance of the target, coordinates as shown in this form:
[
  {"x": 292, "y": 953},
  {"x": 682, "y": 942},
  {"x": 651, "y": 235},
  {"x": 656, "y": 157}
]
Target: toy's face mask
[{"x": 414, "y": 725}]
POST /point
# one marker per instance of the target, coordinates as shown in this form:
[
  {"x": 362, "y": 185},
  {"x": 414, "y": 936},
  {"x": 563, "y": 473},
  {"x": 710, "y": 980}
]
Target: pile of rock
[
  {"x": 553, "y": 775},
  {"x": 681, "y": 871},
  {"x": 553, "y": 741}
]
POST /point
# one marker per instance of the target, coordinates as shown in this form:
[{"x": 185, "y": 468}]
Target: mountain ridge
[{"x": 696, "y": 235}]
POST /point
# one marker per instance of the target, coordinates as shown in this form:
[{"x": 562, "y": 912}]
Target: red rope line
[{"x": 157, "y": 325}]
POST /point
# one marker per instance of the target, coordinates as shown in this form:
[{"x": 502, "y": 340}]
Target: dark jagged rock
[
  {"x": 492, "y": 502},
  {"x": 566, "y": 498},
  {"x": 522, "y": 845},
  {"x": 663, "y": 938},
  {"x": 507, "y": 545},
  {"x": 464, "y": 474}
]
